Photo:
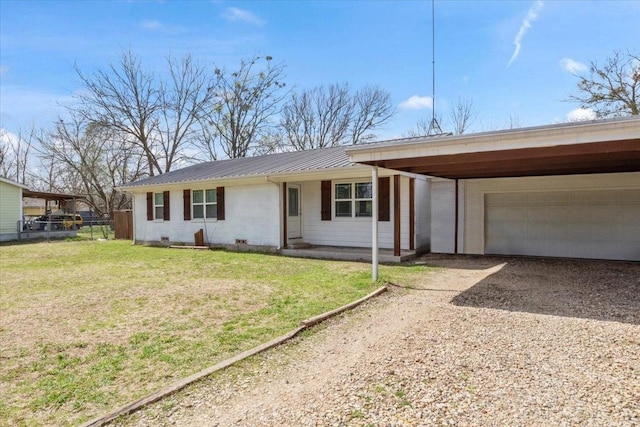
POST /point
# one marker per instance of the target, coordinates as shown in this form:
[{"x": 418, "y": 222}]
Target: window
[
  {"x": 353, "y": 199},
  {"x": 204, "y": 204},
  {"x": 158, "y": 205}
]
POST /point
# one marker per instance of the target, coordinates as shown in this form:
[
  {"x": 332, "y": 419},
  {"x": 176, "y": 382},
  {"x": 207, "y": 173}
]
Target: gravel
[{"x": 483, "y": 341}]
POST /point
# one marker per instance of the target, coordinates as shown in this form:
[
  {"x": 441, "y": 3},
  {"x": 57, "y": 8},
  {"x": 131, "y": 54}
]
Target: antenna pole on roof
[{"x": 434, "y": 127}]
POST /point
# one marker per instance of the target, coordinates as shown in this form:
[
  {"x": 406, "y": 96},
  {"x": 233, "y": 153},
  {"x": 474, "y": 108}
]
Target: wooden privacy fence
[{"x": 123, "y": 224}]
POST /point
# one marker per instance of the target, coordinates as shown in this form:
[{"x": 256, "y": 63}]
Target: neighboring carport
[
  {"x": 35, "y": 227},
  {"x": 568, "y": 190},
  {"x": 59, "y": 198}
]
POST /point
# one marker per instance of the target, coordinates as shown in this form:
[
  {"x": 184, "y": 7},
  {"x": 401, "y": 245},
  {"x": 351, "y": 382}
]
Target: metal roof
[
  {"x": 50, "y": 196},
  {"x": 267, "y": 165}
]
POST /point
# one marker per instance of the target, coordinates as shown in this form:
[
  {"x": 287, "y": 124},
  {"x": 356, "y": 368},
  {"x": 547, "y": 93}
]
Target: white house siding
[
  {"x": 10, "y": 210},
  {"x": 404, "y": 211},
  {"x": 462, "y": 214},
  {"x": 443, "y": 216},
  {"x": 624, "y": 218},
  {"x": 423, "y": 213},
  {"x": 351, "y": 232},
  {"x": 251, "y": 215}
]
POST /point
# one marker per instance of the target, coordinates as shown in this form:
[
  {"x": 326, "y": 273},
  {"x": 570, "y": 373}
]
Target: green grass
[{"x": 87, "y": 326}]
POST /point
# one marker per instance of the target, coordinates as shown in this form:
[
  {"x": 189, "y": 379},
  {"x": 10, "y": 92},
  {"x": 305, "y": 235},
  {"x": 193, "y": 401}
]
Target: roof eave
[{"x": 535, "y": 137}]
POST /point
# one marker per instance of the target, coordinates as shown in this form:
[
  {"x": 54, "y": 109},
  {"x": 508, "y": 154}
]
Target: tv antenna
[{"x": 434, "y": 127}]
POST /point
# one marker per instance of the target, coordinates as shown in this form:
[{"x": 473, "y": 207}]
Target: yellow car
[{"x": 71, "y": 222}]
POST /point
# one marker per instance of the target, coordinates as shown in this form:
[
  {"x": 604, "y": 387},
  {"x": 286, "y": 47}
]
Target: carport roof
[
  {"x": 599, "y": 146},
  {"x": 49, "y": 196}
]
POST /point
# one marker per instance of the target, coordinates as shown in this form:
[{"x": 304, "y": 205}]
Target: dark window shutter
[
  {"x": 220, "y": 201},
  {"x": 186, "y": 201},
  {"x": 384, "y": 199},
  {"x": 167, "y": 208},
  {"x": 149, "y": 206},
  {"x": 325, "y": 200}
]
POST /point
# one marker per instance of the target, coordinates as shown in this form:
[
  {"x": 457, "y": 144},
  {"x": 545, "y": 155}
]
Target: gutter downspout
[
  {"x": 374, "y": 223},
  {"x": 133, "y": 218}
]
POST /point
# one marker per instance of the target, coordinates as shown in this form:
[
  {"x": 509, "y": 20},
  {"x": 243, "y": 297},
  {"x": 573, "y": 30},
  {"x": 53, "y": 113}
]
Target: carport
[
  {"x": 51, "y": 199},
  {"x": 569, "y": 190}
]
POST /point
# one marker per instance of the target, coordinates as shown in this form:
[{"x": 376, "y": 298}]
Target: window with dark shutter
[
  {"x": 325, "y": 200},
  {"x": 149, "y": 206},
  {"x": 167, "y": 210},
  {"x": 186, "y": 204},
  {"x": 384, "y": 198},
  {"x": 220, "y": 200}
]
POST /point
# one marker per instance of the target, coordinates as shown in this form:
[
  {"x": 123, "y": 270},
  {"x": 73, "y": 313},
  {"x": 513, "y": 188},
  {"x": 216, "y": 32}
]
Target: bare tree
[
  {"x": 159, "y": 117},
  {"x": 613, "y": 89},
  {"x": 422, "y": 127},
  {"x": 372, "y": 108},
  {"x": 317, "y": 118},
  {"x": 184, "y": 101},
  {"x": 92, "y": 161},
  {"x": 243, "y": 106},
  {"x": 124, "y": 98},
  {"x": 15, "y": 154},
  {"x": 462, "y": 115},
  {"x": 513, "y": 122},
  {"x": 331, "y": 116}
]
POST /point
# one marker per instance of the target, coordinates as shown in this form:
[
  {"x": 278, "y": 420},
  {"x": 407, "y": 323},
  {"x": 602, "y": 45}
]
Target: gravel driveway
[{"x": 483, "y": 341}]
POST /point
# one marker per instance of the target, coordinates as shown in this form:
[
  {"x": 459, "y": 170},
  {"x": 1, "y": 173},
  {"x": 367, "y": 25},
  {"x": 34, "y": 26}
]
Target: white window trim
[
  {"x": 156, "y": 206},
  {"x": 204, "y": 205},
  {"x": 353, "y": 200}
]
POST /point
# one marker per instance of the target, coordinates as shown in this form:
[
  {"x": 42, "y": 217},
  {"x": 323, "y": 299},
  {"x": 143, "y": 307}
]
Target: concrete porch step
[
  {"x": 347, "y": 254},
  {"x": 298, "y": 244}
]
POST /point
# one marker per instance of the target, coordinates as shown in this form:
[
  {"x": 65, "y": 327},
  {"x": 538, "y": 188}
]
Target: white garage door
[{"x": 601, "y": 224}]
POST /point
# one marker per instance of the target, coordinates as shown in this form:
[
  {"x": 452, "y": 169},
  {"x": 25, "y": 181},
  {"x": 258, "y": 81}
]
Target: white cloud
[
  {"x": 572, "y": 66},
  {"x": 235, "y": 14},
  {"x": 8, "y": 138},
  {"x": 580, "y": 114},
  {"x": 151, "y": 25},
  {"x": 532, "y": 15},
  {"x": 417, "y": 103}
]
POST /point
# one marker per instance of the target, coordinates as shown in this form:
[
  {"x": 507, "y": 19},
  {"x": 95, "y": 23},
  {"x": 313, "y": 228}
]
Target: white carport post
[{"x": 374, "y": 223}]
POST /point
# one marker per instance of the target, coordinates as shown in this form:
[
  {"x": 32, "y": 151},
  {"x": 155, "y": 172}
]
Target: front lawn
[{"x": 86, "y": 326}]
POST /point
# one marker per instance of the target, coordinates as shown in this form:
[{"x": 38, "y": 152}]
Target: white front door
[{"x": 294, "y": 212}]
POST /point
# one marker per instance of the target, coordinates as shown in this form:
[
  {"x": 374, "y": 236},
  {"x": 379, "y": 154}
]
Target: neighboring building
[
  {"x": 314, "y": 197},
  {"x": 10, "y": 208},
  {"x": 32, "y": 207},
  {"x": 568, "y": 190}
]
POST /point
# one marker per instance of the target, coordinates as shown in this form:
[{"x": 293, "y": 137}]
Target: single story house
[
  {"x": 10, "y": 208},
  {"x": 278, "y": 201},
  {"x": 566, "y": 190}
]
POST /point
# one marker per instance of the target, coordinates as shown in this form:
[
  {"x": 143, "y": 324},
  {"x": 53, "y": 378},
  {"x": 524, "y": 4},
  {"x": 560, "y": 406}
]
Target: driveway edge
[{"x": 180, "y": 384}]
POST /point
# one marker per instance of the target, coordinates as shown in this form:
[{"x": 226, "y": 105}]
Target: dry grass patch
[{"x": 89, "y": 325}]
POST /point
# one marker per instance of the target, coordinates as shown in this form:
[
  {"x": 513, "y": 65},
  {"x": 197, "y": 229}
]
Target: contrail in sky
[{"x": 532, "y": 14}]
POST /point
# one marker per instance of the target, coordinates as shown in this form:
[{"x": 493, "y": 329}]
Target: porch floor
[{"x": 347, "y": 253}]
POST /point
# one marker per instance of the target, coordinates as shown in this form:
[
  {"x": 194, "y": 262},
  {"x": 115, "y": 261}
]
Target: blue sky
[{"x": 512, "y": 58}]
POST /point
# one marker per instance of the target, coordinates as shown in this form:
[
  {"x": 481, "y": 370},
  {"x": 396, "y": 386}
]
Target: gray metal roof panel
[{"x": 270, "y": 164}]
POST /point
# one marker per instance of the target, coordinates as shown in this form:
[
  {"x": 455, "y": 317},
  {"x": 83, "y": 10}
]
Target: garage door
[{"x": 602, "y": 224}]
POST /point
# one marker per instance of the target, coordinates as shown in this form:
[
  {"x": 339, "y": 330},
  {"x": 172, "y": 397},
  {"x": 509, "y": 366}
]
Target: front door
[{"x": 294, "y": 217}]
